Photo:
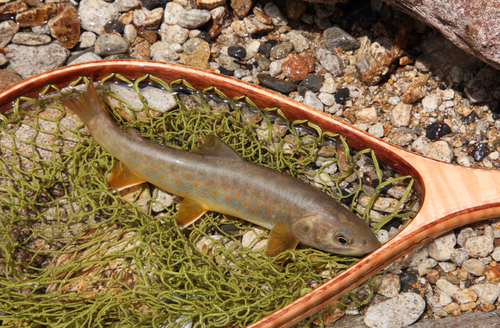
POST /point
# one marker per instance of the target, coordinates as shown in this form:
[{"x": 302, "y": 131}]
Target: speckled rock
[
  {"x": 390, "y": 285},
  {"x": 161, "y": 100},
  {"x": 300, "y": 43},
  {"x": 275, "y": 14},
  {"x": 474, "y": 266},
  {"x": 330, "y": 62},
  {"x": 129, "y": 33},
  {"x": 459, "y": 255},
  {"x": 496, "y": 254},
  {"x": 140, "y": 50},
  {"x": 447, "y": 287},
  {"x": 487, "y": 292},
  {"x": 37, "y": 16},
  {"x": 87, "y": 39},
  {"x": 310, "y": 99},
  {"x": 252, "y": 49},
  {"x": 174, "y": 33},
  {"x": 95, "y": 13},
  {"x": 127, "y": 5},
  {"x": 479, "y": 246},
  {"x": 241, "y": 7},
  {"x": 196, "y": 53},
  {"x": 465, "y": 234},
  {"x": 7, "y": 79},
  {"x": 172, "y": 13},
  {"x": 401, "y": 114},
  {"x": 335, "y": 37},
  {"x": 367, "y": 115},
  {"x": 8, "y": 29},
  {"x": 12, "y": 8},
  {"x": 65, "y": 27},
  {"x": 86, "y": 57},
  {"x": 399, "y": 311},
  {"x": 440, "y": 150},
  {"x": 193, "y": 18},
  {"x": 31, "y": 39},
  {"x": 110, "y": 44},
  {"x": 255, "y": 27},
  {"x": 440, "y": 248},
  {"x": 425, "y": 266},
  {"x": 465, "y": 295},
  {"x": 29, "y": 61},
  {"x": 281, "y": 50}
]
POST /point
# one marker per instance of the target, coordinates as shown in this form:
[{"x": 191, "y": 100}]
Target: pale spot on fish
[{"x": 342, "y": 218}]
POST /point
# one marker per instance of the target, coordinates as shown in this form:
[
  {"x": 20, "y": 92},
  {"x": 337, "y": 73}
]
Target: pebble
[
  {"x": 151, "y": 4},
  {"x": 273, "y": 12},
  {"x": 86, "y": 57},
  {"x": 8, "y": 29},
  {"x": 172, "y": 13},
  {"x": 265, "y": 48},
  {"x": 193, "y": 18},
  {"x": 241, "y": 7},
  {"x": 465, "y": 295},
  {"x": 31, "y": 39},
  {"x": 479, "y": 246},
  {"x": 196, "y": 53},
  {"x": 295, "y": 67},
  {"x": 276, "y": 84},
  {"x": 252, "y": 49},
  {"x": 447, "y": 266},
  {"x": 65, "y": 27},
  {"x": 237, "y": 52},
  {"x": 87, "y": 39},
  {"x": 440, "y": 150},
  {"x": 401, "y": 114},
  {"x": 174, "y": 33},
  {"x": 376, "y": 130},
  {"x": 342, "y": 95},
  {"x": 140, "y": 50},
  {"x": 152, "y": 20},
  {"x": 335, "y": 37},
  {"x": 326, "y": 98},
  {"x": 480, "y": 151},
  {"x": 437, "y": 130},
  {"x": 7, "y": 79},
  {"x": 459, "y": 255},
  {"x": 390, "y": 285},
  {"x": 312, "y": 82},
  {"x": 95, "y": 13},
  {"x": 10, "y": 9},
  {"x": 28, "y": 61},
  {"x": 129, "y": 33},
  {"x": 383, "y": 236},
  {"x": 496, "y": 254},
  {"x": 295, "y": 9},
  {"x": 474, "y": 266},
  {"x": 263, "y": 62},
  {"x": 276, "y": 67},
  {"x": 281, "y": 50},
  {"x": 310, "y": 99},
  {"x": 441, "y": 248},
  {"x": 37, "y": 16},
  {"x": 210, "y": 4},
  {"x": 487, "y": 292},
  {"x": 465, "y": 234},
  {"x": 160, "y": 100},
  {"x": 367, "y": 115},
  {"x": 398, "y": 311},
  {"x": 330, "y": 62},
  {"x": 110, "y": 44},
  {"x": 425, "y": 266},
  {"x": 299, "y": 42},
  {"x": 447, "y": 287},
  {"x": 127, "y": 5},
  {"x": 254, "y": 26}
]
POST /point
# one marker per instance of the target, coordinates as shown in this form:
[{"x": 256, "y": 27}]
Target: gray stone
[
  {"x": 399, "y": 311},
  {"x": 311, "y": 100},
  {"x": 474, "y": 266},
  {"x": 28, "y": 61},
  {"x": 327, "y": 98},
  {"x": 263, "y": 62},
  {"x": 127, "y": 5},
  {"x": 459, "y": 255},
  {"x": 447, "y": 266},
  {"x": 31, "y": 39},
  {"x": 496, "y": 254},
  {"x": 7, "y": 30},
  {"x": 95, "y": 13},
  {"x": 465, "y": 234},
  {"x": 87, "y": 39},
  {"x": 252, "y": 49},
  {"x": 42, "y": 29},
  {"x": 300, "y": 43},
  {"x": 330, "y": 62},
  {"x": 430, "y": 102},
  {"x": 161, "y": 100},
  {"x": 447, "y": 287},
  {"x": 110, "y": 44},
  {"x": 174, "y": 34},
  {"x": 376, "y": 130},
  {"x": 487, "y": 292},
  {"x": 193, "y": 18},
  {"x": 425, "y": 266},
  {"x": 281, "y": 50},
  {"x": 390, "y": 285},
  {"x": 3, "y": 59},
  {"x": 130, "y": 33},
  {"x": 335, "y": 37},
  {"x": 440, "y": 248},
  {"x": 86, "y": 57},
  {"x": 273, "y": 12},
  {"x": 479, "y": 246}
]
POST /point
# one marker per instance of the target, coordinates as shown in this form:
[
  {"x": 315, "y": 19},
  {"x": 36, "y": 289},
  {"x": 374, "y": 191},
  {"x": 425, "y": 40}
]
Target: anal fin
[
  {"x": 280, "y": 240},
  {"x": 123, "y": 177},
  {"x": 189, "y": 212}
]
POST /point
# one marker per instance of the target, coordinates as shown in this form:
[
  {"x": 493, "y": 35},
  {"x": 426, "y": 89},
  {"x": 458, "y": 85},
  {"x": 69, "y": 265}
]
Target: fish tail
[{"x": 87, "y": 106}]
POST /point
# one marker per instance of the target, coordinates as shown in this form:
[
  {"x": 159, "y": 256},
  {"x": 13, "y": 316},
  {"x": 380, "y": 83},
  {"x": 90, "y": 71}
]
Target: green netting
[{"x": 74, "y": 254}]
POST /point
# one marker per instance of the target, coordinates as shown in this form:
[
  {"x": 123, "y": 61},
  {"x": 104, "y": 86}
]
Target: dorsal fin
[
  {"x": 123, "y": 177},
  {"x": 215, "y": 147},
  {"x": 134, "y": 134},
  {"x": 280, "y": 239}
]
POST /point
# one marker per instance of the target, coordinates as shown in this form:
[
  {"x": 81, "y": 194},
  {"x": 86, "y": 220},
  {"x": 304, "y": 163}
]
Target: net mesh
[{"x": 74, "y": 254}]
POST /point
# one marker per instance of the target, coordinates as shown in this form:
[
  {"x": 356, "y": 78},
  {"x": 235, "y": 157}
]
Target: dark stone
[
  {"x": 436, "y": 130},
  {"x": 224, "y": 71},
  {"x": 263, "y": 62},
  {"x": 152, "y": 4},
  {"x": 335, "y": 37},
  {"x": 496, "y": 112},
  {"x": 237, "y": 52},
  {"x": 205, "y": 36},
  {"x": 472, "y": 117},
  {"x": 480, "y": 151},
  {"x": 348, "y": 200},
  {"x": 277, "y": 84},
  {"x": 250, "y": 66},
  {"x": 229, "y": 229},
  {"x": 341, "y": 96},
  {"x": 408, "y": 280},
  {"x": 313, "y": 82},
  {"x": 265, "y": 48},
  {"x": 114, "y": 26}
]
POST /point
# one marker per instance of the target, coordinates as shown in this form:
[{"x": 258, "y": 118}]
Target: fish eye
[{"x": 342, "y": 238}]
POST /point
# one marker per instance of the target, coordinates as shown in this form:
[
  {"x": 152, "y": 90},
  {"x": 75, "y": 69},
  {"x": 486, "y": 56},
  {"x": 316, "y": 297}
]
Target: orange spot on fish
[
  {"x": 225, "y": 188},
  {"x": 152, "y": 169},
  {"x": 196, "y": 184},
  {"x": 207, "y": 183},
  {"x": 214, "y": 192},
  {"x": 258, "y": 206},
  {"x": 201, "y": 196},
  {"x": 251, "y": 211},
  {"x": 245, "y": 204},
  {"x": 145, "y": 159},
  {"x": 218, "y": 182},
  {"x": 132, "y": 164},
  {"x": 291, "y": 213},
  {"x": 189, "y": 179},
  {"x": 236, "y": 209},
  {"x": 163, "y": 177},
  {"x": 270, "y": 210},
  {"x": 142, "y": 165},
  {"x": 228, "y": 197},
  {"x": 176, "y": 181},
  {"x": 237, "y": 195},
  {"x": 219, "y": 204},
  {"x": 262, "y": 216},
  {"x": 281, "y": 211},
  {"x": 161, "y": 164}
]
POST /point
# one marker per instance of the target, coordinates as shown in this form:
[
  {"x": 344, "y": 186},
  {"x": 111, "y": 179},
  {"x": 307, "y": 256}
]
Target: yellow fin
[
  {"x": 280, "y": 240},
  {"x": 123, "y": 177},
  {"x": 214, "y": 147},
  {"x": 189, "y": 212}
]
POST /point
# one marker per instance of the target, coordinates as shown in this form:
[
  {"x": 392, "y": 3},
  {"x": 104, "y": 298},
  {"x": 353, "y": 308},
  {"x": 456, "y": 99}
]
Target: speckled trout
[{"x": 213, "y": 177}]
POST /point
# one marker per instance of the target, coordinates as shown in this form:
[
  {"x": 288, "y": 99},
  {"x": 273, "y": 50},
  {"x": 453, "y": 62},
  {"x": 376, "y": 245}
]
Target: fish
[{"x": 213, "y": 177}]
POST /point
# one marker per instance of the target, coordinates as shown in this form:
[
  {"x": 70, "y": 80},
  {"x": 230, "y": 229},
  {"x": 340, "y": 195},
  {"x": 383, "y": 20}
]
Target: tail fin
[{"x": 87, "y": 106}]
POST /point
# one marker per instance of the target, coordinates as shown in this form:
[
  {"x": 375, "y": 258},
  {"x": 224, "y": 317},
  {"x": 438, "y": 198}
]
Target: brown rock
[
  {"x": 127, "y": 18},
  {"x": 295, "y": 8},
  {"x": 241, "y": 7},
  {"x": 141, "y": 50},
  {"x": 7, "y": 79},
  {"x": 37, "y": 16},
  {"x": 295, "y": 67},
  {"x": 196, "y": 53},
  {"x": 261, "y": 17},
  {"x": 415, "y": 91},
  {"x": 493, "y": 274},
  {"x": 210, "y": 4},
  {"x": 65, "y": 27},
  {"x": 220, "y": 20},
  {"x": 13, "y": 8},
  {"x": 149, "y": 35}
]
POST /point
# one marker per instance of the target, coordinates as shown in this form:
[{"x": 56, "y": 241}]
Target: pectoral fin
[
  {"x": 123, "y": 177},
  {"x": 280, "y": 240},
  {"x": 189, "y": 212}
]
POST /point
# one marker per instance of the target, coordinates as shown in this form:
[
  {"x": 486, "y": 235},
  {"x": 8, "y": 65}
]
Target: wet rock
[
  {"x": 312, "y": 82},
  {"x": 335, "y": 37},
  {"x": 401, "y": 114},
  {"x": 87, "y": 40},
  {"x": 440, "y": 248},
  {"x": 152, "y": 4},
  {"x": 487, "y": 292},
  {"x": 474, "y": 266},
  {"x": 241, "y": 7},
  {"x": 440, "y": 150},
  {"x": 12, "y": 8},
  {"x": 276, "y": 84},
  {"x": 29, "y": 61},
  {"x": 275, "y": 14},
  {"x": 193, "y": 18},
  {"x": 342, "y": 95},
  {"x": 330, "y": 62},
  {"x": 263, "y": 62},
  {"x": 114, "y": 26},
  {"x": 31, "y": 39},
  {"x": 95, "y": 13},
  {"x": 7, "y": 79},
  {"x": 196, "y": 53},
  {"x": 401, "y": 310},
  {"x": 295, "y": 9},
  {"x": 174, "y": 33},
  {"x": 173, "y": 12},
  {"x": 295, "y": 67},
  {"x": 480, "y": 151},
  {"x": 479, "y": 246},
  {"x": 281, "y": 50},
  {"x": 237, "y": 52},
  {"x": 65, "y": 27},
  {"x": 254, "y": 26},
  {"x": 261, "y": 16},
  {"x": 128, "y": 5},
  {"x": 436, "y": 130},
  {"x": 7, "y": 30},
  {"x": 86, "y": 57},
  {"x": 162, "y": 101},
  {"x": 415, "y": 91},
  {"x": 310, "y": 99},
  {"x": 110, "y": 44},
  {"x": 252, "y": 49},
  {"x": 210, "y": 4},
  {"x": 37, "y": 16},
  {"x": 265, "y": 48}
]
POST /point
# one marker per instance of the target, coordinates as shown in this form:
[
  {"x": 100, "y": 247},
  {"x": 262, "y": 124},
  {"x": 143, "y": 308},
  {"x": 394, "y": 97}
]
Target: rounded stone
[
  {"x": 276, "y": 84},
  {"x": 398, "y": 311},
  {"x": 193, "y": 18},
  {"x": 330, "y": 62},
  {"x": 7, "y": 30},
  {"x": 474, "y": 266},
  {"x": 95, "y": 13},
  {"x": 110, "y": 44},
  {"x": 441, "y": 248},
  {"x": 31, "y": 39},
  {"x": 479, "y": 246},
  {"x": 237, "y": 52},
  {"x": 281, "y": 50}
]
